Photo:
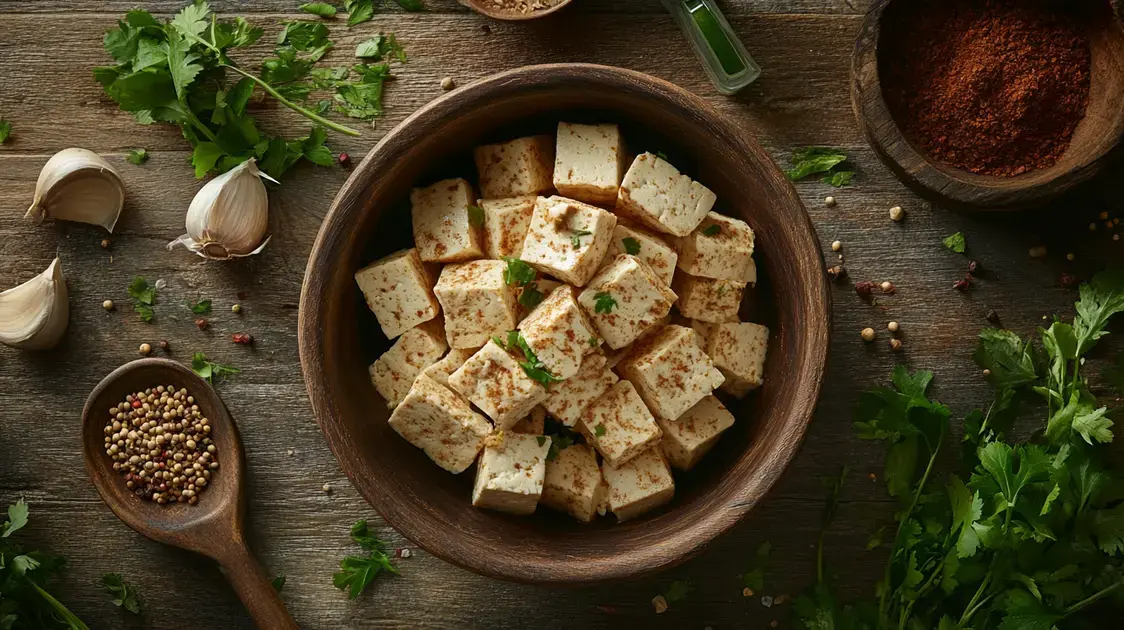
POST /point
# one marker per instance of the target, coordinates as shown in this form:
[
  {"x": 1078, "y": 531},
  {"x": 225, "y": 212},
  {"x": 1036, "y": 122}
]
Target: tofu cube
[
  {"x": 568, "y": 239},
  {"x": 647, "y": 247},
  {"x": 399, "y": 291},
  {"x": 687, "y": 439},
  {"x": 720, "y": 248},
  {"x": 670, "y": 372},
  {"x": 631, "y": 297},
  {"x": 394, "y": 372},
  {"x": 524, "y": 166},
  {"x": 750, "y": 276},
  {"x": 443, "y": 229},
  {"x": 589, "y": 162},
  {"x": 441, "y": 370},
  {"x": 558, "y": 332},
  {"x": 478, "y": 303},
  {"x": 567, "y": 400},
  {"x": 495, "y": 382},
  {"x": 738, "y": 350},
  {"x": 656, "y": 195},
  {"x": 641, "y": 485},
  {"x": 505, "y": 225},
  {"x": 440, "y": 423},
  {"x": 534, "y": 424},
  {"x": 707, "y": 299},
  {"x": 618, "y": 424},
  {"x": 573, "y": 483},
  {"x": 510, "y": 475}
]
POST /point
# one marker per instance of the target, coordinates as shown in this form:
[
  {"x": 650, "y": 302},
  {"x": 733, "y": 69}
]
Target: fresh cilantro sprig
[
  {"x": 25, "y": 576},
  {"x": 1030, "y": 533},
  {"x": 181, "y": 72},
  {"x": 712, "y": 230},
  {"x": 278, "y": 583},
  {"x": 532, "y": 366},
  {"x": 136, "y": 157},
  {"x": 955, "y": 243},
  {"x": 123, "y": 594},
  {"x": 518, "y": 273},
  {"x": 812, "y": 160},
  {"x": 357, "y": 572},
  {"x": 379, "y": 47},
  {"x": 603, "y": 302},
  {"x": 209, "y": 370},
  {"x": 202, "y": 307},
  {"x": 144, "y": 296},
  {"x": 631, "y": 245}
]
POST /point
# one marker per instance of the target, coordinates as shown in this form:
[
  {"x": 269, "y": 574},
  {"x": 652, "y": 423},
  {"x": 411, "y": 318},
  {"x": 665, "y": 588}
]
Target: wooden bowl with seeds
[
  {"x": 515, "y": 10},
  {"x": 370, "y": 218}
]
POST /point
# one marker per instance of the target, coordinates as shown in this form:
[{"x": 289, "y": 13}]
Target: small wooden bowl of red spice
[{"x": 991, "y": 104}]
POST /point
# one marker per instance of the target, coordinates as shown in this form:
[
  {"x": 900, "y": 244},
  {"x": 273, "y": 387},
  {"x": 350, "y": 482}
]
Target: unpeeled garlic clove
[
  {"x": 78, "y": 185},
  {"x": 34, "y": 315},
  {"x": 229, "y": 216}
]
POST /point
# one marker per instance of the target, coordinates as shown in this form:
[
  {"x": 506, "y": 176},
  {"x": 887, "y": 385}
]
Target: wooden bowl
[
  {"x": 488, "y": 8},
  {"x": 370, "y": 218},
  {"x": 1101, "y": 130}
]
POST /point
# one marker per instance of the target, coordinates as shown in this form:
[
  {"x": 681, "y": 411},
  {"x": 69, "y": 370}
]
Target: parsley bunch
[
  {"x": 357, "y": 572},
  {"x": 24, "y": 601},
  {"x": 1028, "y": 533}
]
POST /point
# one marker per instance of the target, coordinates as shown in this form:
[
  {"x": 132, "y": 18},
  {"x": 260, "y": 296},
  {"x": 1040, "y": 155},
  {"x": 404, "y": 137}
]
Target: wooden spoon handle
[{"x": 254, "y": 588}]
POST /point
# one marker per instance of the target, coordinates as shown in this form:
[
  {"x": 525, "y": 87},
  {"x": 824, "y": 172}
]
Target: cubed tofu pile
[{"x": 532, "y": 325}]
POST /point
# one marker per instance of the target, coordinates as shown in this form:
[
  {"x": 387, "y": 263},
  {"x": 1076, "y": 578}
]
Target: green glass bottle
[{"x": 724, "y": 57}]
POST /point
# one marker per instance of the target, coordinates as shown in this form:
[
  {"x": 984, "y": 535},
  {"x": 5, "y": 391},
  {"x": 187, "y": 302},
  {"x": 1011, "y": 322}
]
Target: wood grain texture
[
  {"x": 1095, "y": 137},
  {"x": 214, "y": 527},
  {"x": 368, "y": 220},
  {"x": 298, "y": 530}
]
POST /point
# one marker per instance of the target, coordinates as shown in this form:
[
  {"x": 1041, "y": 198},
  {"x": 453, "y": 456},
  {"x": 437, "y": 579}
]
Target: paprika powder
[{"x": 995, "y": 87}]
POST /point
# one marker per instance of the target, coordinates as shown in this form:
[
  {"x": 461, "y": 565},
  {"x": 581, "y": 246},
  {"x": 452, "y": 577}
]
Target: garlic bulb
[
  {"x": 78, "y": 185},
  {"x": 229, "y": 215},
  {"x": 34, "y": 315}
]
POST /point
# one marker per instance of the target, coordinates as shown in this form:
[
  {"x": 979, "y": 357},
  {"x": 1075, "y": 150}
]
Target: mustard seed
[
  {"x": 897, "y": 214},
  {"x": 829, "y": 202},
  {"x": 892, "y": 327},
  {"x": 448, "y": 83},
  {"x": 836, "y": 246},
  {"x": 237, "y": 308},
  {"x": 107, "y": 305},
  {"x": 145, "y": 349},
  {"x": 868, "y": 334}
]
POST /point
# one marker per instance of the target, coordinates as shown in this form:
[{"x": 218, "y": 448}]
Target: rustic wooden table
[{"x": 804, "y": 46}]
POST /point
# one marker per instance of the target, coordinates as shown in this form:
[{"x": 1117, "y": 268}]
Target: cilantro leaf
[
  {"x": 839, "y": 179},
  {"x": 631, "y": 245},
  {"x": 576, "y": 238},
  {"x": 599, "y": 430},
  {"x": 532, "y": 367},
  {"x": 754, "y": 579},
  {"x": 380, "y": 46},
  {"x": 123, "y": 594},
  {"x": 1093, "y": 426},
  {"x": 322, "y": 9},
  {"x": 17, "y": 518},
  {"x": 661, "y": 155},
  {"x": 531, "y": 296},
  {"x": 1100, "y": 299},
  {"x": 711, "y": 230},
  {"x": 137, "y": 157},
  {"x": 144, "y": 296},
  {"x": 677, "y": 592},
  {"x": 561, "y": 437},
  {"x": 202, "y": 307},
  {"x": 182, "y": 63},
  {"x": 411, "y": 5},
  {"x": 358, "y": 11},
  {"x": 955, "y": 243},
  {"x": 967, "y": 507},
  {"x": 1008, "y": 360},
  {"x": 278, "y": 583},
  {"x": 604, "y": 302},
  {"x": 593, "y": 341},
  {"x": 357, "y": 572},
  {"x": 208, "y": 370},
  {"x": 5, "y": 130},
  {"x": 518, "y": 273},
  {"x": 812, "y": 160}
]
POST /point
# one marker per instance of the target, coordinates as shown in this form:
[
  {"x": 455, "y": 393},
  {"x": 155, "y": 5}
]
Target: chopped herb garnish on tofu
[
  {"x": 593, "y": 341},
  {"x": 712, "y": 230},
  {"x": 599, "y": 430},
  {"x": 476, "y": 216},
  {"x": 542, "y": 440},
  {"x": 518, "y": 273},
  {"x": 576, "y": 239},
  {"x": 532, "y": 367},
  {"x": 561, "y": 436},
  {"x": 722, "y": 289},
  {"x": 631, "y": 245},
  {"x": 604, "y": 304},
  {"x": 499, "y": 342},
  {"x": 530, "y": 296},
  {"x": 663, "y": 156}
]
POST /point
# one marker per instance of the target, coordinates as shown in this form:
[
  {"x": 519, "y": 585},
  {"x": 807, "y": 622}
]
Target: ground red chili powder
[{"x": 990, "y": 86}]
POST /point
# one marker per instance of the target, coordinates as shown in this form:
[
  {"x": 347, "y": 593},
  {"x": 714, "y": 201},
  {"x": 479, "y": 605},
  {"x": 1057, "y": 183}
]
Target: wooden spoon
[{"x": 212, "y": 527}]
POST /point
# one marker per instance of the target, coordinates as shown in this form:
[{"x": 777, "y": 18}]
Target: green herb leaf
[
  {"x": 599, "y": 430},
  {"x": 576, "y": 238},
  {"x": 541, "y": 439},
  {"x": 1100, "y": 299},
  {"x": 5, "y": 130},
  {"x": 531, "y": 296},
  {"x": 278, "y": 583},
  {"x": 593, "y": 341},
  {"x": 411, "y": 5},
  {"x": 379, "y": 47},
  {"x": 202, "y": 307},
  {"x": 604, "y": 302},
  {"x": 322, "y": 9},
  {"x": 517, "y": 273},
  {"x": 955, "y": 243},
  {"x": 357, "y": 572},
  {"x": 812, "y": 160},
  {"x": 839, "y": 179},
  {"x": 712, "y": 230},
  {"x": 210, "y": 371},
  {"x": 17, "y": 518},
  {"x": 358, "y": 11},
  {"x": 137, "y": 157},
  {"x": 754, "y": 579},
  {"x": 123, "y": 594},
  {"x": 661, "y": 155},
  {"x": 631, "y": 245},
  {"x": 144, "y": 296},
  {"x": 677, "y": 592}
]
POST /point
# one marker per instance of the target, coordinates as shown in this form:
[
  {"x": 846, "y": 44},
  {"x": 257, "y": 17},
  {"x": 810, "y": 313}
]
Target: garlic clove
[
  {"x": 34, "y": 315},
  {"x": 78, "y": 185},
  {"x": 229, "y": 216}
]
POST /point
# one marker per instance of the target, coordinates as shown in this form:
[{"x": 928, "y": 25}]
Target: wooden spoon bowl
[
  {"x": 1095, "y": 137},
  {"x": 212, "y": 527},
  {"x": 488, "y": 8}
]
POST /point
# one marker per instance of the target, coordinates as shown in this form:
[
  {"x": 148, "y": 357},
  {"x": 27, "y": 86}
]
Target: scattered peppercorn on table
[{"x": 300, "y": 504}]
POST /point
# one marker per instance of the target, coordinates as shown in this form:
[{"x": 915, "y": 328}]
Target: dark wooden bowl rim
[{"x": 804, "y": 279}]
